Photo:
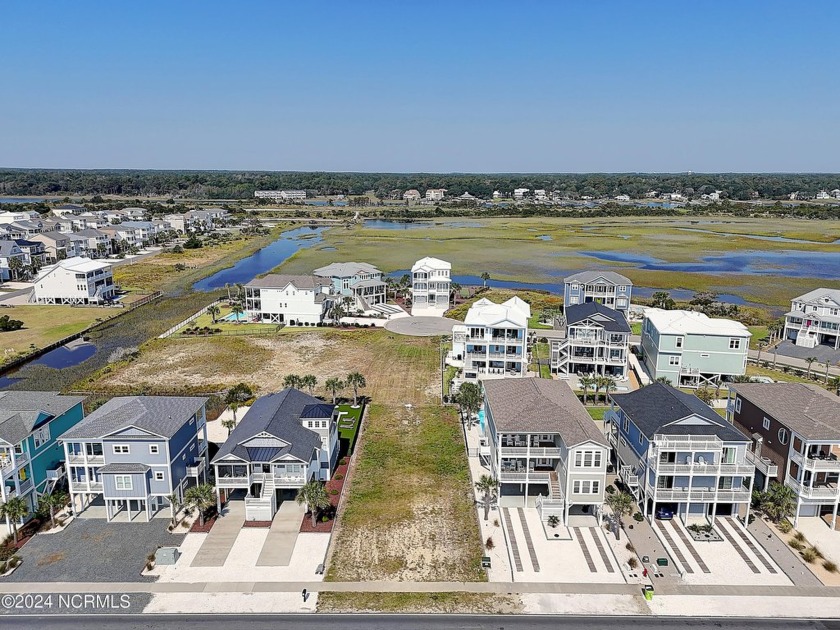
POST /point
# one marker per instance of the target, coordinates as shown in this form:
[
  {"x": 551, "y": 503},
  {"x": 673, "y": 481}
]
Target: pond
[
  {"x": 263, "y": 260},
  {"x": 66, "y": 356}
]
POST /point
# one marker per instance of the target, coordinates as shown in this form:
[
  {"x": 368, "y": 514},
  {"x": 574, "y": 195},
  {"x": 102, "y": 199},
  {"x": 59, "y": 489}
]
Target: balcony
[
  {"x": 763, "y": 464},
  {"x": 523, "y": 477},
  {"x": 682, "y": 495},
  {"x": 813, "y": 492},
  {"x": 628, "y": 477},
  {"x": 697, "y": 468},
  {"x": 78, "y": 459},
  {"x": 233, "y": 482},
  {"x": 95, "y": 486},
  {"x": 681, "y": 443},
  {"x": 289, "y": 481},
  {"x": 823, "y": 463},
  {"x": 533, "y": 451},
  {"x": 6, "y": 461}
]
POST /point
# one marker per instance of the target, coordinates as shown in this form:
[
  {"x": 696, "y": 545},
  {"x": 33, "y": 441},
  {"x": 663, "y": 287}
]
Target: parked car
[{"x": 664, "y": 514}]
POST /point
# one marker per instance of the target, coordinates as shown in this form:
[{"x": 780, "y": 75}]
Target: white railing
[
  {"x": 523, "y": 477},
  {"x": 79, "y": 460},
  {"x": 813, "y": 463},
  {"x": 764, "y": 464},
  {"x": 697, "y": 468},
  {"x": 233, "y": 482},
  {"x": 628, "y": 477},
  {"x": 696, "y": 494},
  {"x": 670, "y": 443},
  {"x": 817, "y": 492},
  {"x": 6, "y": 461},
  {"x": 534, "y": 451},
  {"x": 95, "y": 486}
]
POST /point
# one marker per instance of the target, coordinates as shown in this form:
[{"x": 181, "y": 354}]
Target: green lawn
[
  {"x": 636, "y": 328},
  {"x": 597, "y": 413},
  {"x": 348, "y": 426},
  {"x": 534, "y": 323},
  {"x": 758, "y": 333},
  {"x": 230, "y": 328}
]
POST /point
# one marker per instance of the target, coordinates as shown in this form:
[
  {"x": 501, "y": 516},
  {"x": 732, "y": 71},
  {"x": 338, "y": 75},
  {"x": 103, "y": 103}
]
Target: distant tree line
[{"x": 242, "y": 184}]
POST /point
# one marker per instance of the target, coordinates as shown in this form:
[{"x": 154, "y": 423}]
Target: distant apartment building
[
  {"x": 435, "y": 194},
  {"x": 74, "y": 281},
  {"x": 359, "y": 281},
  {"x": 287, "y": 299},
  {"x": 591, "y": 339},
  {"x": 431, "y": 285},
  {"x": 281, "y": 195},
  {"x": 544, "y": 449},
  {"x": 411, "y": 195},
  {"x": 676, "y": 453},
  {"x": 691, "y": 349},
  {"x": 493, "y": 340},
  {"x": 814, "y": 319},
  {"x": 604, "y": 287},
  {"x": 520, "y": 193},
  {"x": 795, "y": 430}
]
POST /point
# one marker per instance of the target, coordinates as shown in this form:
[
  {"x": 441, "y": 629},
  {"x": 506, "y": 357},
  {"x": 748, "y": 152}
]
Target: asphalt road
[{"x": 402, "y": 622}]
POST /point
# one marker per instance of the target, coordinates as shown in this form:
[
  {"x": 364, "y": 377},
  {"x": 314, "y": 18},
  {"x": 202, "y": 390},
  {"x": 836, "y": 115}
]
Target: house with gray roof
[
  {"x": 30, "y": 455},
  {"x": 133, "y": 452},
  {"x": 542, "y": 446},
  {"x": 10, "y": 252},
  {"x": 678, "y": 456},
  {"x": 282, "y": 442},
  {"x": 359, "y": 281},
  {"x": 287, "y": 299},
  {"x": 604, "y": 287},
  {"x": 814, "y": 319},
  {"x": 592, "y": 339},
  {"x": 795, "y": 429}
]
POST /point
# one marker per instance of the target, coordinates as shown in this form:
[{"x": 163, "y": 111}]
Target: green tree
[
  {"x": 620, "y": 503},
  {"x": 778, "y": 502},
  {"x": 809, "y": 361},
  {"x": 309, "y": 381},
  {"x": 315, "y": 497},
  {"x": 488, "y": 488},
  {"x": 586, "y": 383},
  {"x": 52, "y": 503},
  {"x": 662, "y": 299},
  {"x": 15, "y": 509},
  {"x": 214, "y": 311},
  {"x": 608, "y": 384},
  {"x": 237, "y": 310},
  {"x": 173, "y": 508},
  {"x": 334, "y": 385},
  {"x": 239, "y": 393},
  {"x": 202, "y": 497},
  {"x": 704, "y": 394},
  {"x": 230, "y": 423},
  {"x": 834, "y": 384},
  {"x": 469, "y": 399},
  {"x": 485, "y": 277},
  {"x": 356, "y": 380},
  {"x": 292, "y": 381}
]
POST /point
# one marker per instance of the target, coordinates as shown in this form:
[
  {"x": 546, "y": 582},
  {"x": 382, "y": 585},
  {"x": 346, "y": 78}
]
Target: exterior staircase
[{"x": 554, "y": 492}]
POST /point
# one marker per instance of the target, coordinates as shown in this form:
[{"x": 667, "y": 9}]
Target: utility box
[
  {"x": 662, "y": 562},
  {"x": 485, "y": 562},
  {"x": 167, "y": 555}
]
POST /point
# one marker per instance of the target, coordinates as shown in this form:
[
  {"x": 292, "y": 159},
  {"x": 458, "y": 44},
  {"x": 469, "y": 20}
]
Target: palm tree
[
  {"x": 315, "y": 497},
  {"x": 608, "y": 384},
  {"x": 173, "y": 507},
  {"x": 15, "y": 266},
  {"x": 586, "y": 382},
  {"x": 202, "y": 498},
  {"x": 229, "y": 424},
  {"x": 292, "y": 381},
  {"x": 778, "y": 502},
  {"x": 485, "y": 277},
  {"x": 664, "y": 380},
  {"x": 356, "y": 380},
  {"x": 489, "y": 488},
  {"x": 620, "y": 503},
  {"x": 214, "y": 311},
  {"x": 704, "y": 394},
  {"x": 834, "y": 384},
  {"x": 237, "y": 310},
  {"x": 14, "y": 510},
  {"x": 809, "y": 361},
  {"x": 334, "y": 385},
  {"x": 309, "y": 381},
  {"x": 761, "y": 346},
  {"x": 227, "y": 288},
  {"x": 52, "y": 503}
]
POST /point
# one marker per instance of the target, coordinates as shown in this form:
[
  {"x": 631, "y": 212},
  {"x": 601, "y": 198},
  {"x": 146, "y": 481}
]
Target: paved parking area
[
  {"x": 93, "y": 550},
  {"x": 822, "y": 353},
  {"x": 422, "y": 326}
]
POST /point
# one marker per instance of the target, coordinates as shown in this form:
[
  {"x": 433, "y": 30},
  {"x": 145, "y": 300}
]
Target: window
[
  {"x": 622, "y": 288},
  {"x": 586, "y": 487},
  {"x": 121, "y": 449},
  {"x": 41, "y": 436},
  {"x": 766, "y": 424},
  {"x": 673, "y": 360},
  {"x": 783, "y": 436},
  {"x": 123, "y": 482},
  {"x": 640, "y": 437},
  {"x": 734, "y": 344},
  {"x": 158, "y": 475},
  {"x": 738, "y": 407},
  {"x": 154, "y": 449},
  {"x": 678, "y": 342},
  {"x": 626, "y": 426}
]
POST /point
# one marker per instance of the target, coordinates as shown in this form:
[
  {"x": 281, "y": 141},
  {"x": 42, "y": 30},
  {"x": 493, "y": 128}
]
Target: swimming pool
[{"x": 233, "y": 317}]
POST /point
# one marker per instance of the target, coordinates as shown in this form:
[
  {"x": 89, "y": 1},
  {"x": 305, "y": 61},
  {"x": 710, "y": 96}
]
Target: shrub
[
  {"x": 610, "y": 489},
  {"x": 338, "y": 476},
  {"x": 342, "y": 461},
  {"x": 632, "y": 563},
  {"x": 817, "y": 551},
  {"x": 553, "y": 521},
  {"x": 785, "y": 526},
  {"x": 495, "y": 522},
  {"x": 830, "y": 566},
  {"x": 638, "y": 517},
  {"x": 629, "y": 547},
  {"x": 149, "y": 566},
  {"x": 796, "y": 544},
  {"x": 333, "y": 492},
  {"x": 800, "y": 537},
  {"x": 489, "y": 544},
  {"x": 325, "y": 518},
  {"x": 809, "y": 555}
]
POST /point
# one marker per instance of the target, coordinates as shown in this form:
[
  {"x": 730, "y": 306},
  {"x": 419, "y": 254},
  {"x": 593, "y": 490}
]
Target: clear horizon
[{"x": 431, "y": 87}]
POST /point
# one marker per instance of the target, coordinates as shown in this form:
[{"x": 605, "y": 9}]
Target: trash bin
[
  {"x": 662, "y": 562},
  {"x": 485, "y": 562},
  {"x": 648, "y": 592}
]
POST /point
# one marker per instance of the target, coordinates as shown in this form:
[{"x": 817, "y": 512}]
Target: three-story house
[
  {"x": 604, "y": 287},
  {"x": 814, "y": 319},
  {"x": 592, "y": 339}
]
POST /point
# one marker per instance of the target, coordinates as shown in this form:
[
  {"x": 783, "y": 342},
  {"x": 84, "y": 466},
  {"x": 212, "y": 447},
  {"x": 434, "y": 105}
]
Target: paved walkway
[
  {"x": 421, "y": 326},
  {"x": 218, "y": 543},
  {"x": 514, "y": 547},
  {"x": 281, "y": 539},
  {"x": 782, "y": 554},
  {"x": 799, "y": 364}
]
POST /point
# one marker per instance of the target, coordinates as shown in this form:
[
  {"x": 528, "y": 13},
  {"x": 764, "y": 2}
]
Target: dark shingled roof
[
  {"x": 20, "y": 411},
  {"x": 118, "y": 467},
  {"x": 281, "y": 281},
  {"x": 591, "y": 276},
  {"x": 278, "y": 415},
  {"x": 657, "y": 408},
  {"x": 535, "y": 405},
  {"x": 161, "y": 415},
  {"x": 811, "y": 411},
  {"x": 611, "y": 320}
]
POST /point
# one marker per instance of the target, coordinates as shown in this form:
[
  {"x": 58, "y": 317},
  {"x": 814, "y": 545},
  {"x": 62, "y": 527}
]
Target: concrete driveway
[
  {"x": 281, "y": 539},
  {"x": 219, "y": 541}
]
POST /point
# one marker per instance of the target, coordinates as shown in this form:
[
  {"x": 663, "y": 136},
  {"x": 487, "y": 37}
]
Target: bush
[
  {"x": 818, "y": 552},
  {"x": 830, "y": 566},
  {"x": 553, "y": 520},
  {"x": 638, "y": 517},
  {"x": 342, "y": 461},
  {"x": 785, "y": 526},
  {"x": 338, "y": 476},
  {"x": 809, "y": 555},
  {"x": 800, "y": 537},
  {"x": 495, "y": 522},
  {"x": 489, "y": 544},
  {"x": 629, "y": 547},
  {"x": 333, "y": 492},
  {"x": 632, "y": 563},
  {"x": 9, "y": 324},
  {"x": 796, "y": 544}
]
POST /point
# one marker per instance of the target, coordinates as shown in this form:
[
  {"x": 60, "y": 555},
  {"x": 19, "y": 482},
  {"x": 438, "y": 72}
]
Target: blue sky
[{"x": 472, "y": 86}]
